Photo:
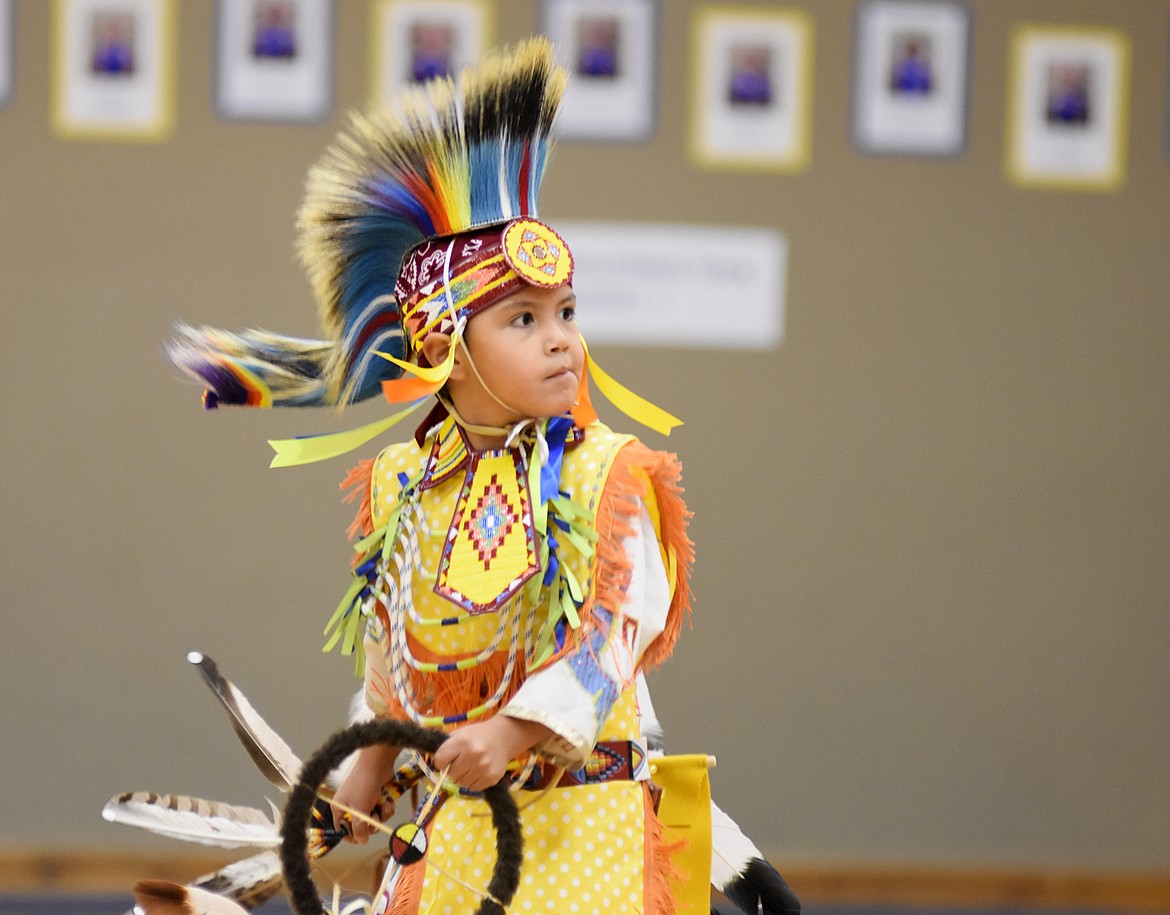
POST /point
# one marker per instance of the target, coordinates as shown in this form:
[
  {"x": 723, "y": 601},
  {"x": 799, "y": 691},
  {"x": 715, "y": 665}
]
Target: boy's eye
[
  {"x": 523, "y": 319},
  {"x": 569, "y": 313}
]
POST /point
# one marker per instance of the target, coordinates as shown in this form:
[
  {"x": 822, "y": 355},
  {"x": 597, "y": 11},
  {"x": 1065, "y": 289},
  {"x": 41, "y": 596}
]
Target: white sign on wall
[{"x": 675, "y": 285}]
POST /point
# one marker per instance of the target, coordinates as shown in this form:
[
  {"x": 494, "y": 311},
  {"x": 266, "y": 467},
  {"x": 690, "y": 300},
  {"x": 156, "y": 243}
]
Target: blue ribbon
[{"x": 550, "y": 474}]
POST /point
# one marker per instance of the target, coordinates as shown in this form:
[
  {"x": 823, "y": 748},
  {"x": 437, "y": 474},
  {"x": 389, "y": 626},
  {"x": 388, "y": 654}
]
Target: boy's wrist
[{"x": 520, "y": 734}]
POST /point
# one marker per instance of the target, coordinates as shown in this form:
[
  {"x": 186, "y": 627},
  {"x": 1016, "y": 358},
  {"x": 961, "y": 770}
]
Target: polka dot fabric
[
  {"x": 583, "y": 853},
  {"x": 585, "y": 847}
]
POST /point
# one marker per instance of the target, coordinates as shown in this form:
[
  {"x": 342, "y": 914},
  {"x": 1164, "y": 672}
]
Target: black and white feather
[
  {"x": 273, "y": 757},
  {"x": 738, "y": 869}
]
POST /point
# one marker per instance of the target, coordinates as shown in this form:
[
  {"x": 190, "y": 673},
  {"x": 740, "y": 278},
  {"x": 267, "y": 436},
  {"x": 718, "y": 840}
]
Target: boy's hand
[
  {"x": 362, "y": 790},
  {"x": 477, "y": 755}
]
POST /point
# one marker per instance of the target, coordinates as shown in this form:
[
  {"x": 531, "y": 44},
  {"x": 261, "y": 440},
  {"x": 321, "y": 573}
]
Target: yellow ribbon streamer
[
  {"x": 292, "y": 452},
  {"x": 427, "y": 379},
  {"x": 637, "y": 408}
]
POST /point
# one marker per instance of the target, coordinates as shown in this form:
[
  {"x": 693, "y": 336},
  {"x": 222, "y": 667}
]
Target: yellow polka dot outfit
[{"x": 587, "y": 847}]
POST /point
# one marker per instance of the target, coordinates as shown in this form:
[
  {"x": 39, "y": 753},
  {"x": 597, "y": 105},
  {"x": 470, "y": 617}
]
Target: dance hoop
[{"x": 294, "y": 831}]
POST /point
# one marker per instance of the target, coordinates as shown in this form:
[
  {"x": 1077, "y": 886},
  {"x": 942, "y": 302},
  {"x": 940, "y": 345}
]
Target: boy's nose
[{"x": 558, "y": 338}]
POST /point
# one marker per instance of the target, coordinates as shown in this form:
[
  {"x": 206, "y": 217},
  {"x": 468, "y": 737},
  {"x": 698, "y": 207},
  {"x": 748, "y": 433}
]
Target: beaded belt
[{"x": 610, "y": 761}]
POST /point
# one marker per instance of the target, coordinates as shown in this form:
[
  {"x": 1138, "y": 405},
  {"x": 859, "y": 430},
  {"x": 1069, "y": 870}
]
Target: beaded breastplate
[{"x": 514, "y": 561}]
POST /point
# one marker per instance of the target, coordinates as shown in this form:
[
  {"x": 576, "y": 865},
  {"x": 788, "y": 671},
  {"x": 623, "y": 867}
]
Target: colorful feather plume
[
  {"x": 161, "y": 897},
  {"x": 193, "y": 819},
  {"x": 450, "y": 156},
  {"x": 273, "y": 757},
  {"x": 253, "y": 368}
]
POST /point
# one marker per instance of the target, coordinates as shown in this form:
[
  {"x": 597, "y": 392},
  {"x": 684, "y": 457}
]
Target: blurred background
[{"x": 932, "y": 524}]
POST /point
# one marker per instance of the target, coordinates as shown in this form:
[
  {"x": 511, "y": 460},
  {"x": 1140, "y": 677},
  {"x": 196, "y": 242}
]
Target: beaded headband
[{"x": 445, "y": 281}]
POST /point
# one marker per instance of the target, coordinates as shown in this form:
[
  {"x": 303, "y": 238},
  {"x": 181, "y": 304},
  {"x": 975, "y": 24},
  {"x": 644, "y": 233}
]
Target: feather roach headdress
[
  {"x": 448, "y": 158},
  {"x": 417, "y": 217}
]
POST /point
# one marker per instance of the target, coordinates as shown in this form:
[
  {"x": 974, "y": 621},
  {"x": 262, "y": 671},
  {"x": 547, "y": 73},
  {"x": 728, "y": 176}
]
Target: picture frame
[
  {"x": 113, "y": 69},
  {"x": 414, "y": 40},
  {"x": 1068, "y": 99},
  {"x": 274, "y": 59},
  {"x": 609, "y": 48},
  {"x": 911, "y": 77},
  {"x": 694, "y": 265},
  {"x": 7, "y": 51},
  {"x": 752, "y": 88}
]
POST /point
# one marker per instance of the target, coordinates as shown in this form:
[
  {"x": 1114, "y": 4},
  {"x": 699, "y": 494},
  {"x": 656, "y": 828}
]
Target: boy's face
[{"x": 529, "y": 353}]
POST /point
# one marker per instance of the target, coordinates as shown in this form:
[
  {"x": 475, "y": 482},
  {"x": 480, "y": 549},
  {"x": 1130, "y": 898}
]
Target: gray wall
[{"x": 932, "y": 627}]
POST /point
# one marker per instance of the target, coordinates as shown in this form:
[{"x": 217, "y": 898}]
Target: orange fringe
[
  {"x": 450, "y": 692},
  {"x": 359, "y": 481},
  {"x": 617, "y": 513},
  {"x": 665, "y": 471},
  {"x": 659, "y": 868},
  {"x": 408, "y": 891}
]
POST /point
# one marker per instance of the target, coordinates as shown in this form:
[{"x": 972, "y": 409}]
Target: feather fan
[
  {"x": 194, "y": 820},
  {"x": 161, "y": 897},
  {"x": 279, "y": 764}
]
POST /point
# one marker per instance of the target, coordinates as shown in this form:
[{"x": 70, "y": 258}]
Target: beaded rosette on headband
[
  {"x": 444, "y": 281},
  {"x": 417, "y": 217}
]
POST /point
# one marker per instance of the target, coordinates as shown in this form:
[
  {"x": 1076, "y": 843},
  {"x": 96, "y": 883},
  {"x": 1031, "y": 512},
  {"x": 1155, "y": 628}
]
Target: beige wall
[{"x": 932, "y": 627}]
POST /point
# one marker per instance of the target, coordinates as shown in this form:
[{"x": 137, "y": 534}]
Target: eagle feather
[{"x": 193, "y": 819}]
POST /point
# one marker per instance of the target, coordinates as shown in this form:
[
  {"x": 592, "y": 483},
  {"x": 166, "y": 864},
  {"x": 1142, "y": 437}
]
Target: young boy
[
  {"x": 464, "y": 541},
  {"x": 520, "y": 564}
]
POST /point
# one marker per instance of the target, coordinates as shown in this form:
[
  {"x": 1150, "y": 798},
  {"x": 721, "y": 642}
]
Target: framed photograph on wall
[
  {"x": 113, "y": 69},
  {"x": 910, "y": 77},
  {"x": 608, "y": 47},
  {"x": 417, "y": 40},
  {"x": 1068, "y": 98},
  {"x": 752, "y": 88},
  {"x": 7, "y": 51},
  {"x": 274, "y": 59}
]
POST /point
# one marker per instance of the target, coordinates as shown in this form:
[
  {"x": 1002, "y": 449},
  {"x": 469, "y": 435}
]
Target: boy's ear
[{"x": 434, "y": 351}]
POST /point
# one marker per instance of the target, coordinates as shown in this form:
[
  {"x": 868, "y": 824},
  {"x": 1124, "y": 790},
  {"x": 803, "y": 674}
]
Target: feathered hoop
[
  {"x": 448, "y": 158},
  {"x": 294, "y": 855}
]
